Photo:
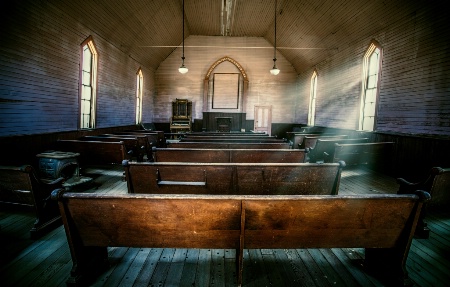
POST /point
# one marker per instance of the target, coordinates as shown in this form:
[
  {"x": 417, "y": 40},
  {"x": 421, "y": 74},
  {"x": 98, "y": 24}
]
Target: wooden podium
[{"x": 223, "y": 124}]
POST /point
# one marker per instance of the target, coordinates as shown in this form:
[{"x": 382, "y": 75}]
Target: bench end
[
  {"x": 424, "y": 196},
  {"x": 57, "y": 194}
]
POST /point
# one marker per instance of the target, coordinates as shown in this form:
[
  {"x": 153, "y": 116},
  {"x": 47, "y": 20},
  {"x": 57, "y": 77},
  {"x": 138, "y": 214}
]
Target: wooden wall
[
  {"x": 39, "y": 73},
  {"x": 414, "y": 96},
  {"x": 279, "y": 91}
]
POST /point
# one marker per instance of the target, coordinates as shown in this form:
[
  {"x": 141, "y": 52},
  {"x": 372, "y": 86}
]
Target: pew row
[
  {"x": 382, "y": 224},
  {"x": 21, "y": 186},
  {"x": 136, "y": 146},
  {"x": 156, "y": 137},
  {"x": 145, "y": 141},
  {"x": 323, "y": 148},
  {"x": 377, "y": 154},
  {"x": 437, "y": 183},
  {"x": 95, "y": 152},
  {"x": 297, "y": 139},
  {"x": 232, "y": 178},
  {"x": 229, "y": 155},
  {"x": 225, "y": 134},
  {"x": 217, "y": 145},
  {"x": 310, "y": 141},
  {"x": 232, "y": 139}
]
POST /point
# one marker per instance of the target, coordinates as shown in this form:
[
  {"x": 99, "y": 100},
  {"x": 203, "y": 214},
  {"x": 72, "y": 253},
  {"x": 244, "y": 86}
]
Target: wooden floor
[{"x": 47, "y": 262}]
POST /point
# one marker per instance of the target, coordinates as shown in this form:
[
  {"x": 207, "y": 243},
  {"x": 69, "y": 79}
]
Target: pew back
[
  {"x": 95, "y": 152},
  {"x": 218, "y": 145},
  {"x": 225, "y": 134},
  {"x": 136, "y": 146},
  {"x": 229, "y": 155},
  {"x": 160, "y": 136},
  {"x": 370, "y": 221},
  {"x": 324, "y": 148},
  {"x": 16, "y": 185},
  {"x": 382, "y": 224},
  {"x": 376, "y": 154},
  {"x": 158, "y": 221},
  {"x": 298, "y": 138},
  {"x": 310, "y": 141},
  {"x": 232, "y": 178},
  {"x": 238, "y": 140}
]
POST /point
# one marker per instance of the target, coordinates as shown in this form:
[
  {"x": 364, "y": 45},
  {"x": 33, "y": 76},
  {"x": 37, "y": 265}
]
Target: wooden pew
[
  {"x": 324, "y": 148},
  {"x": 383, "y": 224},
  {"x": 145, "y": 141},
  {"x": 229, "y": 155},
  {"x": 150, "y": 139},
  {"x": 219, "y": 134},
  {"x": 297, "y": 138},
  {"x": 21, "y": 186},
  {"x": 232, "y": 178},
  {"x": 310, "y": 141},
  {"x": 233, "y": 139},
  {"x": 95, "y": 152},
  {"x": 160, "y": 140},
  {"x": 227, "y": 138},
  {"x": 376, "y": 155},
  {"x": 437, "y": 183},
  {"x": 216, "y": 145},
  {"x": 136, "y": 146}
]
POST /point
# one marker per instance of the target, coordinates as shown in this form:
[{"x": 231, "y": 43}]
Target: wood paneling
[
  {"x": 210, "y": 121},
  {"x": 414, "y": 83},
  {"x": 39, "y": 74}
]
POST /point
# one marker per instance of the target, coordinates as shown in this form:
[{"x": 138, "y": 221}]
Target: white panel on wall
[{"x": 254, "y": 54}]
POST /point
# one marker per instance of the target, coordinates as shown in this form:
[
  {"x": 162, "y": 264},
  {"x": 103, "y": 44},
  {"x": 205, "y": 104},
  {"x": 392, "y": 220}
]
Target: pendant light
[
  {"x": 182, "y": 69},
  {"x": 274, "y": 71}
]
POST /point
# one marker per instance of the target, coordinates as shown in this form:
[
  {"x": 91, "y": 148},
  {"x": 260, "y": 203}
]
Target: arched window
[
  {"x": 370, "y": 87},
  {"x": 312, "y": 99},
  {"x": 139, "y": 85},
  {"x": 88, "y": 84}
]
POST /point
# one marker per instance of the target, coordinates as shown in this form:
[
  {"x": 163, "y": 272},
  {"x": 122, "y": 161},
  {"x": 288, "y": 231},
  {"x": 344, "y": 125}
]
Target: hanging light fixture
[
  {"x": 182, "y": 69},
  {"x": 274, "y": 71}
]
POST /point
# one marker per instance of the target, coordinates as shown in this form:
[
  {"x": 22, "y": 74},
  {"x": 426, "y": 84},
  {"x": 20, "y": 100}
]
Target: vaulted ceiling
[{"x": 308, "y": 31}]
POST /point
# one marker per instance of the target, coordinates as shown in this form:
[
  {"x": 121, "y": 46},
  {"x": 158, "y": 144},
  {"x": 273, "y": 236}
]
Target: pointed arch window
[
  {"x": 312, "y": 100},
  {"x": 88, "y": 84},
  {"x": 370, "y": 87},
  {"x": 139, "y": 86}
]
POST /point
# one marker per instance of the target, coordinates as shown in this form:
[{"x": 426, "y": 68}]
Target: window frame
[
  {"x": 139, "y": 95},
  {"x": 89, "y": 43},
  {"x": 374, "y": 45},
  {"x": 312, "y": 99}
]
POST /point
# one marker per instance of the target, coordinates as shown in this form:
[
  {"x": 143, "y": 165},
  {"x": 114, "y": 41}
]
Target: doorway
[{"x": 263, "y": 119}]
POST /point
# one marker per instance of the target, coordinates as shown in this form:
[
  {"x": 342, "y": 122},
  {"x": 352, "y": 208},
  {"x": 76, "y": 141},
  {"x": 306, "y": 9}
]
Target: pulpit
[
  {"x": 223, "y": 124},
  {"x": 181, "y": 116}
]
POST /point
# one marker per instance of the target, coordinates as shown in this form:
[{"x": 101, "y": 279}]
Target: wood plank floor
[{"x": 47, "y": 262}]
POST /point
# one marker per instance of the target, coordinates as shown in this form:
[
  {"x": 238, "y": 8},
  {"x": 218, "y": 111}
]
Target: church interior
[{"x": 224, "y": 143}]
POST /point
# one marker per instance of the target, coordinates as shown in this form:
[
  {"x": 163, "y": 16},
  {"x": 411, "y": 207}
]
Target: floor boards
[{"x": 46, "y": 261}]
